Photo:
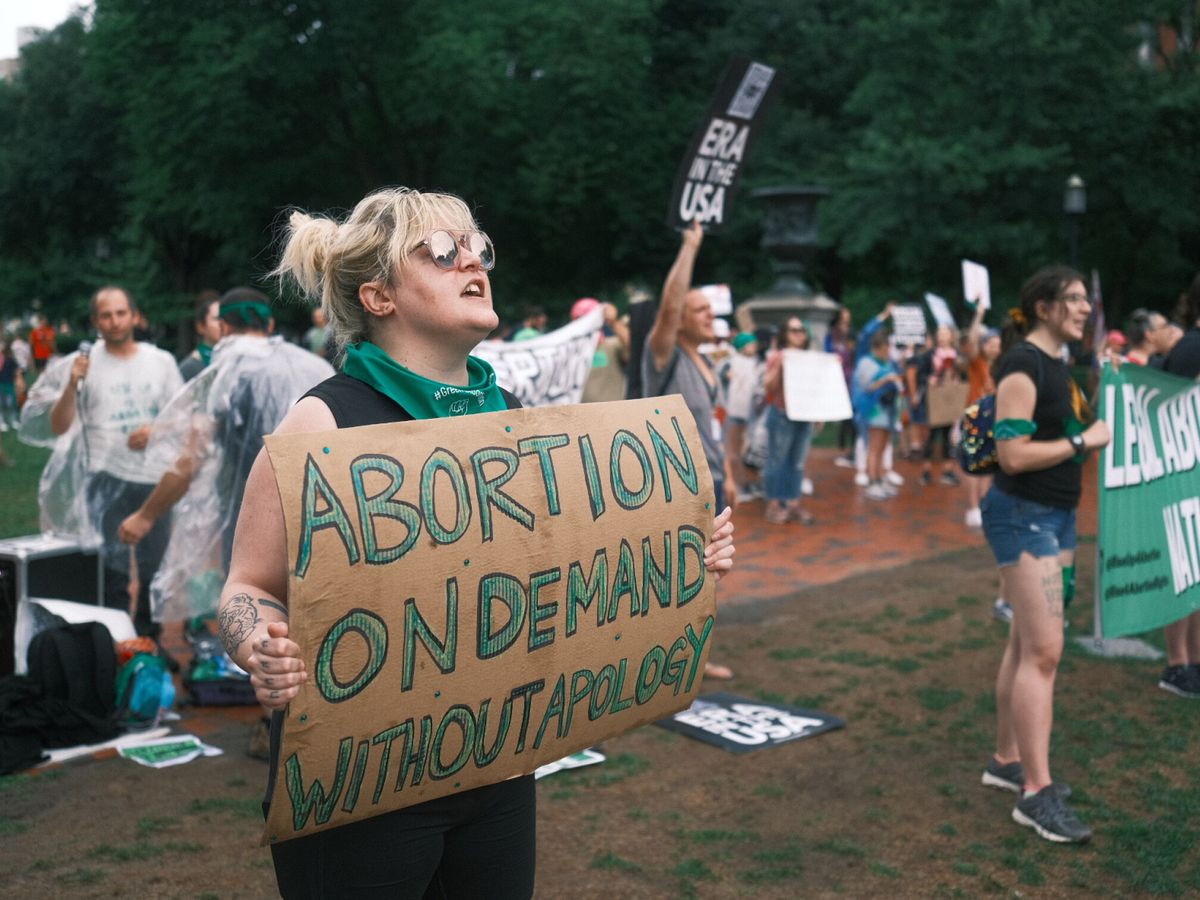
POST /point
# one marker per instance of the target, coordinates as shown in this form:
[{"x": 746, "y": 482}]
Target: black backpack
[{"x": 76, "y": 663}]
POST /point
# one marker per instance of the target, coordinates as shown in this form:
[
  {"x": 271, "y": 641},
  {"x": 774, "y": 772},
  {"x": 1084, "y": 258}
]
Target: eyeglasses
[
  {"x": 1074, "y": 298},
  {"x": 443, "y": 248}
]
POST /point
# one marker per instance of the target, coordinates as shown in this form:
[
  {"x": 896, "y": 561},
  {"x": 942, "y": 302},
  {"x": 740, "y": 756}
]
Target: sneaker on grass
[
  {"x": 1048, "y": 814},
  {"x": 1011, "y": 777},
  {"x": 1183, "y": 681},
  {"x": 1004, "y": 776}
]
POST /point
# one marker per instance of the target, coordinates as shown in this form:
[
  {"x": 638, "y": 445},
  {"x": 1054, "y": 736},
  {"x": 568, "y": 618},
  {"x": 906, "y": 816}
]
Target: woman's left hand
[{"x": 718, "y": 555}]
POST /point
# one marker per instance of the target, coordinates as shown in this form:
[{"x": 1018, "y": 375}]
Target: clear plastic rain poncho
[
  {"x": 62, "y": 488},
  {"x": 212, "y": 431}
]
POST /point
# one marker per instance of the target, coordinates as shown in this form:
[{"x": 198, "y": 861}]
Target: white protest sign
[
  {"x": 908, "y": 325},
  {"x": 550, "y": 370},
  {"x": 976, "y": 286},
  {"x": 814, "y": 387},
  {"x": 940, "y": 309},
  {"x": 720, "y": 298}
]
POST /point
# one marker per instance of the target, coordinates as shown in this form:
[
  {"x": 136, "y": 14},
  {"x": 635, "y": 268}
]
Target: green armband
[
  {"x": 1007, "y": 429},
  {"x": 1068, "y": 575}
]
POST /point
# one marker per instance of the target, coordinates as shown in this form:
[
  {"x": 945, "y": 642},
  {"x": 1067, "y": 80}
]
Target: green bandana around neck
[
  {"x": 422, "y": 397},
  {"x": 204, "y": 351}
]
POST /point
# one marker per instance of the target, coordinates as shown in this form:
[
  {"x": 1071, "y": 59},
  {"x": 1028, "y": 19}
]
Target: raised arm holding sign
[
  {"x": 712, "y": 165},
  {"x": 402, "y": 555}
]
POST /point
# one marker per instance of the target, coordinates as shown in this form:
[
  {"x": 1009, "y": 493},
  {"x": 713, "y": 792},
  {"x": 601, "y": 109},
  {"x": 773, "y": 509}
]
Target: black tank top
[
  {"x": 352, "y": 403},
  {"x": 355, "y": 402}
]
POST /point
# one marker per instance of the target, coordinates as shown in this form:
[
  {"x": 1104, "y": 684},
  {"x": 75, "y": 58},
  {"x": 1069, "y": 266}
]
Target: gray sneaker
[
  {"x": 1047, "y": 814},
  {"x": 1002, "y": 610},
  {"x": 1006, "y": 777},
  {"x": 1011, "y": 777},
  {"x": 1183, "y": 681}
]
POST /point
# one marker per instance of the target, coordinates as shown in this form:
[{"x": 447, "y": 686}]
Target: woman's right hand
[
  {"x": 275, "y": 667},
  {"x": 1096, "y": 436}
]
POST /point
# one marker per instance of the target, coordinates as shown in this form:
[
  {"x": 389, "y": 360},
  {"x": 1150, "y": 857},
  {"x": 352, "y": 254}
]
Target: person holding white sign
[
  {"x": 404, "y": 282},
  {"x": 982, "y": 349},
  {"x": 787, "y": 441},
  {"x": 1044, "y": 431}
]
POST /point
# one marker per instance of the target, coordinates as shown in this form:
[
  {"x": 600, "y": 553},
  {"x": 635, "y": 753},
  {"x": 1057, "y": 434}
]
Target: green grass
[
  {"x": 18, "y": 487},
  {"x": 247, "y": 808},
  {"x": 611, "y": 861}
]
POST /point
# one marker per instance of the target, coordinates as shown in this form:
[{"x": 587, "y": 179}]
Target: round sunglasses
[{"x": 443, "y": 248}]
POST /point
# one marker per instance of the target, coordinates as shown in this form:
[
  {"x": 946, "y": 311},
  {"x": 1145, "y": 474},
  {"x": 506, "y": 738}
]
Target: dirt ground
[{"x": 890, "y": 806}]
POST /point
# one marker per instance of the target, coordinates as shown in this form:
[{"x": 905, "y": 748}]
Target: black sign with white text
[
  {"x": 713, "y": 162},
  {"x": 739, "y": 725}
]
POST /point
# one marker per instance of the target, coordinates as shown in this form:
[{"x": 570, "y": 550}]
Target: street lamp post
[{"x": 1074, "y": 206}]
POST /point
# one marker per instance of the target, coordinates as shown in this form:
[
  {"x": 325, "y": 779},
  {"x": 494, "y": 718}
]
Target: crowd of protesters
[{"x": 905, "y": 398}]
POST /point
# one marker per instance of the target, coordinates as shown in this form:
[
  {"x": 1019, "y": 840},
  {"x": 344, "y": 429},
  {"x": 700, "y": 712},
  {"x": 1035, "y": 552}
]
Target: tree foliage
[{"x": 159, "y": 146}]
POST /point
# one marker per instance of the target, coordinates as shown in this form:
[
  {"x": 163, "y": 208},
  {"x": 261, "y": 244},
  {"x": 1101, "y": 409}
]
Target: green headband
[{"x": 248, "y": 310}]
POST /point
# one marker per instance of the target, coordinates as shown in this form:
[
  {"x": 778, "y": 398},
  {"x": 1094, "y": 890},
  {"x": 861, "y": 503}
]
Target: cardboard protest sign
[
  {"x": 814, "y": 387},
  {"x": 550, "y": 370},
  {"x": 941, "y": 310},
  {"x": 1148, "y": 551},
  {"x": 947, "y": 400},
  {"x": 712, "y": 165},
  {"x": 977, "y": 288},
  {"x": 740, "y": 725},
  {"x": 476, "y": 597},
  {"x": 908, "y": 325}
]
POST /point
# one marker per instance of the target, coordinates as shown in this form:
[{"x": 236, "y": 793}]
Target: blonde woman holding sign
[
  {"x": 1043, "y": 433},
  {"x": 404, "y": 284}
]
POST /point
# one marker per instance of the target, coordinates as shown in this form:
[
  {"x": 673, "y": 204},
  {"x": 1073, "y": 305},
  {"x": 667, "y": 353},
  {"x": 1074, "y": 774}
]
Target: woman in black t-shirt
[
  {"x": 404, "y": 282},
  {"x": 1042, "y": 436}
]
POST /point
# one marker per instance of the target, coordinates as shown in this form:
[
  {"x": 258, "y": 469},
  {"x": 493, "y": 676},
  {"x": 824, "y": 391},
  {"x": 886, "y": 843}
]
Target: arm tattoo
[
  {"x": 279, "y": 607},
  {"x": 236, "y": 622}
]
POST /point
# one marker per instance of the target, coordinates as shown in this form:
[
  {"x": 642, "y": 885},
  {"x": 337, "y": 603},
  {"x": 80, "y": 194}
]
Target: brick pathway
[{"x": 852, "y": 534}]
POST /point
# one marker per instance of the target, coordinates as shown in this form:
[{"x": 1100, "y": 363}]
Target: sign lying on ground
[
  {"x": 814, "y": 387},
  {"x": 739, "y": 725},
  {"x": 712, "y": 165},
  {"x": 1148, "y": 554},
  {"x": 550, "y": 370},
  {"x": 480, "y": 596}
]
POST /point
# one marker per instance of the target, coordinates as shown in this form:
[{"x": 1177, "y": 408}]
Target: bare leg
[
  {"x": 1177, "y": 641},
  {"x": 876, "y": 439},
  {"x": 1006, "y": 737},
  {"x": 1034, "y": 588}
]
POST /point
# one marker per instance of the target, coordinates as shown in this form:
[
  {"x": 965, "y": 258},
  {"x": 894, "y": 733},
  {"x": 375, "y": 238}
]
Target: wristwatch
[{"x": 1077, "y": 444}]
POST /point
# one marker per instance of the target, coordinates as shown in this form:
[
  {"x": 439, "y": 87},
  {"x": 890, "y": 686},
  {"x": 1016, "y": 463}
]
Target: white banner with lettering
[{"x": 550, "y": 370}]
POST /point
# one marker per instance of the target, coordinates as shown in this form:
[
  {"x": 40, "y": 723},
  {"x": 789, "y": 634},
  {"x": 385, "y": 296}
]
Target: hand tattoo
[{"x": 236, "y": 622}]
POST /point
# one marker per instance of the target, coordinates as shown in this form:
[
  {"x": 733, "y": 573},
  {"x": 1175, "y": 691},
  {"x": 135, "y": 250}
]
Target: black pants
[
  {"x": 941, "y": 433},
  {"x": 477, "y": 844},
  {"x": 109, "y": 501}
]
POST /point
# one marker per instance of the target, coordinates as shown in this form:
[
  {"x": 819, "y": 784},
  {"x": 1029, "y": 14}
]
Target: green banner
[{"x": 1148, "y": 563}]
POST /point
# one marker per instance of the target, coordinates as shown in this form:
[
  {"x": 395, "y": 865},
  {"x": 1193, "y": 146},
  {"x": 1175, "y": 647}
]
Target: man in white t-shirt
[{"x": 116, "y": 391}]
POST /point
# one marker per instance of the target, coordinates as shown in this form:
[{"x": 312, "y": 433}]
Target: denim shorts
[{"x": 1014, "y": 525}]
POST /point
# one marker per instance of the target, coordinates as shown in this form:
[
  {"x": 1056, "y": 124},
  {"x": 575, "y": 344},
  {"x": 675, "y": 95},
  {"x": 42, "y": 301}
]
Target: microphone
[{"x": 85, "y": 350}]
